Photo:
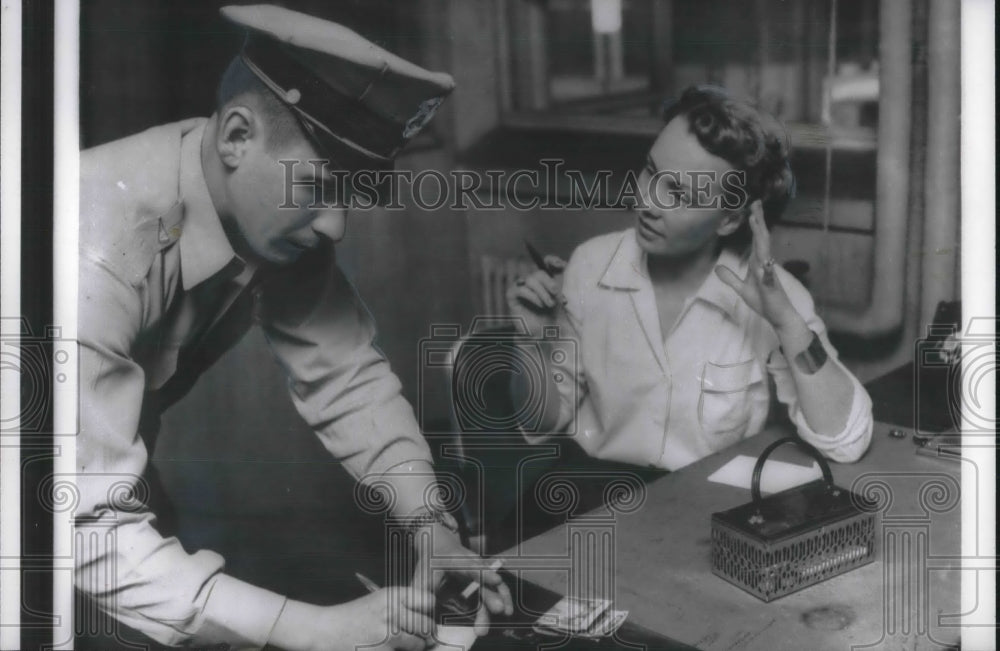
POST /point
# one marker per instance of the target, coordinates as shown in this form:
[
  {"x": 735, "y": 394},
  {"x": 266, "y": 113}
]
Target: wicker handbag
[{"x": 777, "y": 545}]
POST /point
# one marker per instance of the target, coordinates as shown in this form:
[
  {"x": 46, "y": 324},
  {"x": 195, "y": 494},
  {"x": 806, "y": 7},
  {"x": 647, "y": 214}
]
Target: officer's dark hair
[
  {"x": 237, "y": 82},
  {"x": 749, "y": 140}
]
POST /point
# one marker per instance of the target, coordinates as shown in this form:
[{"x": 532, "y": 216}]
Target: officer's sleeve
[
  {"x": 339, "y": 381},
  {"x": 122, "y": 563},
  {"x": 850, "y": 443}
]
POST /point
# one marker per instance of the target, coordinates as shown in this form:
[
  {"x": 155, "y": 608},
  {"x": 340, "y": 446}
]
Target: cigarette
[
  {"x": 769, "y": 272},
  {"x": 472, "y": 587}
]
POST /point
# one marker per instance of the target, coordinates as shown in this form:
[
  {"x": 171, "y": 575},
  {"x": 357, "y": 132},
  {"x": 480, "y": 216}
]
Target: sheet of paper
[
  {"x": 455, "y": 638},
  {"x": 776, "y": 476},
  {"x": 460, "y": 638}
]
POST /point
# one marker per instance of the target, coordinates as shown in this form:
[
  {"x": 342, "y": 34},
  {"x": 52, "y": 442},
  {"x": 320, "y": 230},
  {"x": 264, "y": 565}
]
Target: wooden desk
[{"x": 656, "y": 559}]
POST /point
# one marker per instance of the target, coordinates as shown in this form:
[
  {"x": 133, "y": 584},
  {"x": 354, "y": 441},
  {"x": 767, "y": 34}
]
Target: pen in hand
[
  {"x": 545, "y": 267},
  {"x": 537, "y": 258},
  {"x": 372, "y": 587}
]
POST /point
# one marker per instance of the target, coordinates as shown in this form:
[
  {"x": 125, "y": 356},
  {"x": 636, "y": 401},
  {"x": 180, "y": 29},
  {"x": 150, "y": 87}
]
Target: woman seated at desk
[{"x": 680, "y": 319}]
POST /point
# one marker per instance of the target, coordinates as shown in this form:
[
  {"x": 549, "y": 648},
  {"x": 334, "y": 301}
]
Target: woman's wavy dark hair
[{"x": 749, "y": 140}]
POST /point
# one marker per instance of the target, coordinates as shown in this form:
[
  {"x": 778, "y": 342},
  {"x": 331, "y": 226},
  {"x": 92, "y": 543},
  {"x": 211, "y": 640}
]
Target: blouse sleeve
[{"x": 852, "y": 441}]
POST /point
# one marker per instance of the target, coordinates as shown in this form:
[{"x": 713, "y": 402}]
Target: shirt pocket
[{"x": 725, "y": 400}]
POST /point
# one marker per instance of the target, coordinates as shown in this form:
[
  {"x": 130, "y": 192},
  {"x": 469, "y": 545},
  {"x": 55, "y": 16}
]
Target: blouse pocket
[{"x": 725, "y": 400}]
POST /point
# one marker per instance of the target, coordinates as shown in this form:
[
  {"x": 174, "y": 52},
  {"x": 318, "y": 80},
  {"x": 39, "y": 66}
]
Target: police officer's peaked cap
[{"x": 359, "y": 102}]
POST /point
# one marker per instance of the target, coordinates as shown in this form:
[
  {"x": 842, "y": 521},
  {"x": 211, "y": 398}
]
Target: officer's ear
[{"x": 238, "y": 129}]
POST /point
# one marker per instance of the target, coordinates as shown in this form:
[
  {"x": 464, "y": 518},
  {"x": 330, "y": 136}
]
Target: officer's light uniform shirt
[
  {"x": 158, "y": 279},
  {"x": 666, "y": 400}
]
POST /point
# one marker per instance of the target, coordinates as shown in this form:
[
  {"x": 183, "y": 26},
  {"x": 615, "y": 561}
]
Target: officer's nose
[{"x": 331, "y": 223}]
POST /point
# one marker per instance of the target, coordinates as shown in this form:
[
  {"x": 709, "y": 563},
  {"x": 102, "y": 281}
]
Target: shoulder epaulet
[
  {"x": 150, "y": 236},
  {"x": 129, "y": 215},
  {"x": 129, "y": 253}
]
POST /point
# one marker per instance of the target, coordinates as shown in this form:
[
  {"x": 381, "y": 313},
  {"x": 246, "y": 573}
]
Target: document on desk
[
  {"x": 585, "y": 618},
  {"x": 454, "y": 638},
  {"x": 776, "y": 476}
]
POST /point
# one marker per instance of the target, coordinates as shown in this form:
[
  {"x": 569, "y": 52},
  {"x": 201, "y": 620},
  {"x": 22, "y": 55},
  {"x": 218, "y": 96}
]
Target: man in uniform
[{"x": 186, "y": 237}]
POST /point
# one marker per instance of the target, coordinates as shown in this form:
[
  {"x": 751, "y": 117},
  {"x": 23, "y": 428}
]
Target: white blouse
[{"x": 632, "y": 394}]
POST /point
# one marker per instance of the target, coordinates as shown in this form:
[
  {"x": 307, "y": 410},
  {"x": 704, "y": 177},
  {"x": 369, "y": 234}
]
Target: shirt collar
[
  {"x": 627, "y": 267},
  {"x": 205, "y": 250},
  {"x": 627, "y": 270}
]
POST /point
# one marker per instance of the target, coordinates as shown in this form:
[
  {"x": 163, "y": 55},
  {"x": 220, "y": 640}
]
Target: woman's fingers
[
  {"x": 727, "y": 276},
  {"x": 538, "y": 290},
  {"x": 541, "y": 288},
  {"x": 745, "y": 290},
  {"x": 530, "y": 297},
  {"x": 552, "y": 285},
  {"x": 761, "y": 262},
  {"x": 761, "y": 238},
  {"x": 526, "y": 296},
  {"x": 554, "y": 263}
]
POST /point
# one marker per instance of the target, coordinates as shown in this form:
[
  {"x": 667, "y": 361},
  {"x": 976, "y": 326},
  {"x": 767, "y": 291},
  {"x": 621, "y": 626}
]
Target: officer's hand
[
  {"x": 537, "y": 298},
  {"x": 450, "y": 556},
  {"x": 390, "y": 618}
]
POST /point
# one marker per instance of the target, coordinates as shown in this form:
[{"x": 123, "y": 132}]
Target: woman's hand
[
  {"x": 762, "y": 289},
  {"x": 538, "y": 298}
]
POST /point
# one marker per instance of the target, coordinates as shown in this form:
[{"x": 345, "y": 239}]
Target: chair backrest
[
  {"x": 479, "y": 382},
  {"x": 496, "y": 275}
]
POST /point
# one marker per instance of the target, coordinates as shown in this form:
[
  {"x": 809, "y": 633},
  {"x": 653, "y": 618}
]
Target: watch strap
[
  {"x": 427, "y": 516},
  {"x": 812, "y": 358}
]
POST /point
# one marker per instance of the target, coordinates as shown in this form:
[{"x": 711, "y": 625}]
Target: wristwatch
[
  {"x": 812, "y": 358},
  {"x": 425, "y": 516}
]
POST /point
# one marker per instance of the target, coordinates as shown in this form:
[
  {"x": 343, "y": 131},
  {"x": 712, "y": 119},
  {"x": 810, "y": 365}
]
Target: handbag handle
[{"x": 813, "y": 452}]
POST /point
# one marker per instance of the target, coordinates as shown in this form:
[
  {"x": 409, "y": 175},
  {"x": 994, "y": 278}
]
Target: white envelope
[{"x": 775, "y": 477}]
